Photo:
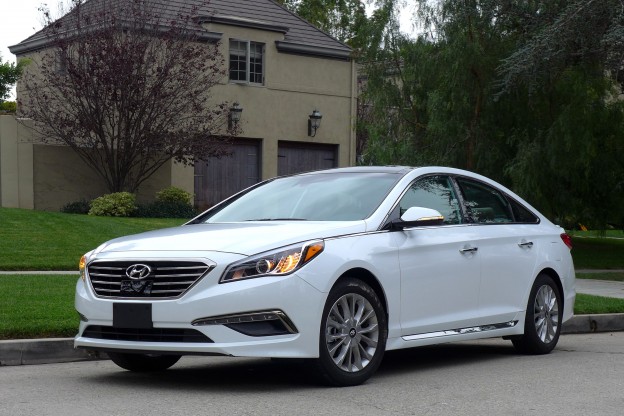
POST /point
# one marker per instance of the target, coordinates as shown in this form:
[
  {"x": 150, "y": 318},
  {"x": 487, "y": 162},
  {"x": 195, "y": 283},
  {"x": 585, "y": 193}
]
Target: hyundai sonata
[{"x": 337, "y": 266}]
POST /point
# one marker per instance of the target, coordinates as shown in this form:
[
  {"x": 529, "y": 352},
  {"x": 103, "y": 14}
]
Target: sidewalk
[{"x": 58, "y": 350}]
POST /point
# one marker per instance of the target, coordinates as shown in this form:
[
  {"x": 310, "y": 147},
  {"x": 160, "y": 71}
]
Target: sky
[{"x": 20, "y": 19}]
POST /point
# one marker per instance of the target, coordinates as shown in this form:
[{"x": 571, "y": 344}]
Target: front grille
[
  {"x": 167, "y": 279},
  {"x": 145, "y": 335}
]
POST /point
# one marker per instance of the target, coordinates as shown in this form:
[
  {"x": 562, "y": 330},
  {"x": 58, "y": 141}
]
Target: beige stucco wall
[
  {"x": 295, "y": 85},
  {"x": 16, "y": 164},
  {"x": 46, "y": 177},
  {"x": 60, "y": 176}
]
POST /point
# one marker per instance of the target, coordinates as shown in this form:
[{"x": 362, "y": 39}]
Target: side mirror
[{"x": 416, "y": 217}]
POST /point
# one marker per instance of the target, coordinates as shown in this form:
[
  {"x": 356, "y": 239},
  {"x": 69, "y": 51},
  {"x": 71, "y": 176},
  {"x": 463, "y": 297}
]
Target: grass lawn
[
  {"x": 613, "y": 276},
  {"x": 42, "y": 306},
  {"x": 38, "y": 240},
  {"x": 598, "y": 253},
  {"x": 588, "y": 304},
  {"x": 37, "y": 306}
]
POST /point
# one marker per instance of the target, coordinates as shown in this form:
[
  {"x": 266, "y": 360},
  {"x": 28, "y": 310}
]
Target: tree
[
  {"x": 127, "y": 85},
  {"x": 343, "y": 19},
  {"x": 9, "y": 74},
  {"x": 526, "y": 92}
]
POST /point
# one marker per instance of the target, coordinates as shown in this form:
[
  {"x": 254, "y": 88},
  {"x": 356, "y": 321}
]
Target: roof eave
[
  {"x": 44, "y": 41},
  {"x": 237, "y": 21},
  {"x": 313, "y": 50}
]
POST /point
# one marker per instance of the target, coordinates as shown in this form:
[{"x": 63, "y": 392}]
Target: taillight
[{"x": 567, "y": 240}]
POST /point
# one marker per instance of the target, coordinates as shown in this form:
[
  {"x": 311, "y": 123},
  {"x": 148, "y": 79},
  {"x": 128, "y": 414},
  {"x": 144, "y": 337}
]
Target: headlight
[
  {"x": 82, "y": 265},
  {"x": 278, "y": 262}
]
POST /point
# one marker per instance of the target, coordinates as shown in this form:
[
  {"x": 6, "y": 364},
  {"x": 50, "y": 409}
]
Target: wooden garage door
[
  {"x": 294, "y": 157},
  {"x": 217, "y": 179}
]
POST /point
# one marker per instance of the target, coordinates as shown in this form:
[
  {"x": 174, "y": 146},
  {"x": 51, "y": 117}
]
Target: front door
[{"x": 440, "y": 268}]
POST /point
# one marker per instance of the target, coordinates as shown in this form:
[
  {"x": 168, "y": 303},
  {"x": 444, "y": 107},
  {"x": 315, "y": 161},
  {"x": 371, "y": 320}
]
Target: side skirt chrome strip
[{"x": 460, "y": 331}]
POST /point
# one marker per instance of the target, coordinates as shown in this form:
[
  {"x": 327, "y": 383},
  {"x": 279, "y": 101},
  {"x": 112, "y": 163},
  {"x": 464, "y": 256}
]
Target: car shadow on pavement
[
  {"x": 442, "y": 356},
  {"x": 260, "y": 374}
]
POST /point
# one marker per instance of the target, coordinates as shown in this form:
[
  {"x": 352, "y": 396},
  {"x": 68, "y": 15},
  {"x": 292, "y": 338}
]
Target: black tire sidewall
[
  {"x": 533, "y": 343},
  {"x": 143, "y": 362},
  {"x": 328, "y": 369}
]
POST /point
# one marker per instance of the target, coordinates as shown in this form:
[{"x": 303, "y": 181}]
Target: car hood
[{"x": 241, "y": 238}]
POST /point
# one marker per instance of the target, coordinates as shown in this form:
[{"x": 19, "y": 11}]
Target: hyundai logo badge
[{"x": 138, "y": 271}]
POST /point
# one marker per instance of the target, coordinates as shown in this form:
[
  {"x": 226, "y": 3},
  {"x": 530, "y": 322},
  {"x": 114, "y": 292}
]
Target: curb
[
  {"x": 583, "y": 324},
  {"x": 61, "y": 350},
  {"x": 40, "y": 351}
]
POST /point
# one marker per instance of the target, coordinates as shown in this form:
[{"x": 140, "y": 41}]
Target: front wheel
[
  {"x": 143, "y": 362},
  {"x": 353, "y": 334},
  {"x": 542, "y": 324}
]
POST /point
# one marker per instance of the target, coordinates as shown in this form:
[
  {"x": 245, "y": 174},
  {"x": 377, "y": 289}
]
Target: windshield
[{"x": 314, "y": 197}]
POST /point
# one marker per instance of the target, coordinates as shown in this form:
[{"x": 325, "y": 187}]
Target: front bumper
[{"x": 206, "y": 303}]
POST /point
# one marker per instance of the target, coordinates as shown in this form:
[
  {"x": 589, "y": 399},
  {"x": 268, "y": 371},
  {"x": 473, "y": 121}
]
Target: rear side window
[
  {"x": 435, "y": 192},
  {"x": 521, "y": 214},
  {"x": 485, "y": 204}
]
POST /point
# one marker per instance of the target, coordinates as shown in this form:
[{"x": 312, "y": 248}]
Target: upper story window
[{"x": 246, "y": 61}]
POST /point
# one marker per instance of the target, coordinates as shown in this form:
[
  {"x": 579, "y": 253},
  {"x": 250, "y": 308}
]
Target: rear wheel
[
  {"x": 542, "y": 324},
  {"x": 143, "y": 362},
  {"x": 353, "y": 334}
]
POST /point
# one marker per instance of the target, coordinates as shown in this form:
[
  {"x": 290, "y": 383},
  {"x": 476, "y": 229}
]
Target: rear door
[{"x": 508, "y": 243}]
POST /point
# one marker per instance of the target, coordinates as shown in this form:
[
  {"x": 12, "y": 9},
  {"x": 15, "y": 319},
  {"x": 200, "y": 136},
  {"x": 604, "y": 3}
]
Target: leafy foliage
[
  {"x": 174, "y": 194},
  {"x": 165, "y": 209},
  {"x": 77, "y": 207},
  {"x": 8, "y": 106},
  {"x": 117, "y": 204},
  {"x": 524, "y": 92},
  {"x": 129, "y": 90},
  {"x": 345, "y": 20},
  {"x": 9, "y": 74}
]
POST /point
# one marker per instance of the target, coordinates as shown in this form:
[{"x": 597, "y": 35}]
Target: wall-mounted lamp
[
  {"x": 314, "y": 122},
  {"x": 235, "y": 115}
]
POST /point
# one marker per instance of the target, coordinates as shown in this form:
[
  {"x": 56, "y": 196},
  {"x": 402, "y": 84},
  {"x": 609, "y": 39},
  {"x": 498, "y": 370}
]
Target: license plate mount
[{"x": 132, "y": 315}]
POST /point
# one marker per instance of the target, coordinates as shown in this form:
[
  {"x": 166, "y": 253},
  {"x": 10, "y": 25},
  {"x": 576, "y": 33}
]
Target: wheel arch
[
  {"x": 555, "y": 276},
  {"x": 369, "y": 278}
]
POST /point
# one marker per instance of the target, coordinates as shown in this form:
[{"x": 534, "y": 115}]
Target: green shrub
[
  {"x": 8, "y": 106},
  {"x": 165, "y": 209},
  {"x": 118, "y": 204},
  {"x": 173, "y": 194},
  {"x": 78, "y": 207}
]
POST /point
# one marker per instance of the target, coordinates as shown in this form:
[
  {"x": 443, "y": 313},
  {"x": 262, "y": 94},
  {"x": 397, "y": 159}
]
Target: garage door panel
[
  {"x": 219, "y": 178},
  {"x": 302, "y": 157}
]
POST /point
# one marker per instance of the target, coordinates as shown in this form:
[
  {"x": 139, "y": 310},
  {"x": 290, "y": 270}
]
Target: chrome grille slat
[
  {"x": 168, "y": 279},
  {"x": 103, "y": 275},
  {"x": 173, "y": 283}
]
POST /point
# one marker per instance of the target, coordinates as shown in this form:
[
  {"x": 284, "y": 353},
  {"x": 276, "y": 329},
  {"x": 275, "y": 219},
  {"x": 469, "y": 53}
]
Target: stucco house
[{"x": 292, "y": 73}]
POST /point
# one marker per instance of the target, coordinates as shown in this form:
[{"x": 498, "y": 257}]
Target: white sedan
[{"x": 337, "y": 266}]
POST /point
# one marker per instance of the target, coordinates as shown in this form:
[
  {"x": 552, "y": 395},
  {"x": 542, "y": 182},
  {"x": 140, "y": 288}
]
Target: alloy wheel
[
  {"x": 546, "y": 313},
  {"x": 352, "y": 332}
]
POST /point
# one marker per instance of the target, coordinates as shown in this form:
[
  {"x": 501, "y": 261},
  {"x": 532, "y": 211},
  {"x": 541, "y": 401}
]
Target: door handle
[
  {"x": 524, "y": 243},
  {"x": 468, "y": 249}
]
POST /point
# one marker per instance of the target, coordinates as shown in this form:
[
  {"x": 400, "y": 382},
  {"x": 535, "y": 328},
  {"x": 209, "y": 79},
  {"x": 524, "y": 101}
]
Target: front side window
[
  {"x": 246, "y": 61},
  {"x": 434, "y": 192},
  {"x": 484, "y": 203}
]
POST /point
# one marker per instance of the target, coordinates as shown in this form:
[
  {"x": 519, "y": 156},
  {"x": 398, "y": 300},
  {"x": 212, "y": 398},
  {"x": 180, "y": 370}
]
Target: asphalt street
[{"x": 583, "y": 376}]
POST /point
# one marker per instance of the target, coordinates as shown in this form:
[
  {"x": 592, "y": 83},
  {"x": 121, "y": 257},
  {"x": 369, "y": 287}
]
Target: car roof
[{"x": 363, "y": 169}]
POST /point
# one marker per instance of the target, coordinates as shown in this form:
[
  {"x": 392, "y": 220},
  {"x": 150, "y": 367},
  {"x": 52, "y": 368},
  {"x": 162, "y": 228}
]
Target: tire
[
  {"x": 351, "y": 345},
  {"x": 542, "y": 324},
  {"x": 143, "y": 362}
]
